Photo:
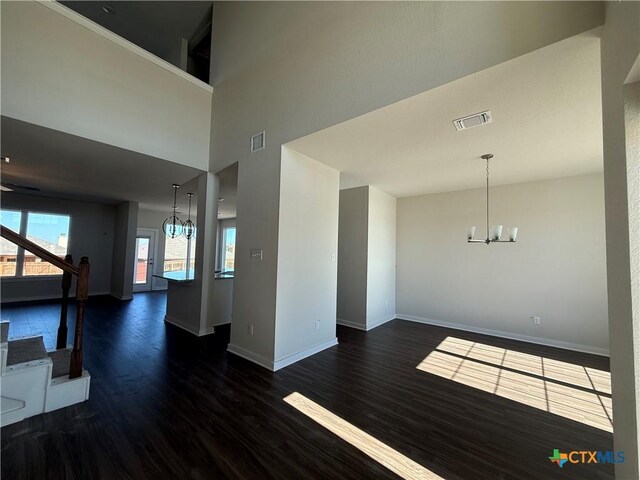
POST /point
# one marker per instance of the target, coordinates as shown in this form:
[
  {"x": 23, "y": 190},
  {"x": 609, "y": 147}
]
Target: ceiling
[
  {"x": 68, "y": 166},
  {"x": 156, "y": 26},
  {"x": 547, "y": 123}
]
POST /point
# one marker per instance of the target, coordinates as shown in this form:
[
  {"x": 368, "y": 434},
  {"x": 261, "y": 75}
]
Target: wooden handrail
[
  {"x": 82, "y": 294},
  {"x": 37, "y": 250}
]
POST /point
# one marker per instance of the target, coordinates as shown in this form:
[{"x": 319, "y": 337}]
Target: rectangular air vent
[
  {"x": 257, "y": 142},
  {"x": 473, "y": 120}
]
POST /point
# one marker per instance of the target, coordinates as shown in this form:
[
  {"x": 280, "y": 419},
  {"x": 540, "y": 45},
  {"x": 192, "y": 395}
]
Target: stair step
[
  {"x": 26, "y": 350},
  {"x": 10, "y": 404},
  {"x": 60, "y": 359}
]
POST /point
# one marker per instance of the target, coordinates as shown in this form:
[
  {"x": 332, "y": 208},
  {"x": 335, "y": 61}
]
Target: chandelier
[
  {"x": 494, "y": 234},
  {"x": 189, "y": 228},
  {"x": 173, "y": 226}
]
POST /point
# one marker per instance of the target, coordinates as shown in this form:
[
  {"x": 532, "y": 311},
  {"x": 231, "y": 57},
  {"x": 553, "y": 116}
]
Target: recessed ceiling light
[
  {"x": 108, "y": 9},
  {"x": 6, "y": 159}
]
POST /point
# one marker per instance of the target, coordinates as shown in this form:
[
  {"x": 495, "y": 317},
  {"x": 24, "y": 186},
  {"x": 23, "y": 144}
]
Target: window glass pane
[
  {"x": 229, "y": 252},
  {"x": 9, "y": 251},
  {"x": 142, "y": 262},
  {"x": 50, "y": 232},
  {"x": 175, "y": 254}
]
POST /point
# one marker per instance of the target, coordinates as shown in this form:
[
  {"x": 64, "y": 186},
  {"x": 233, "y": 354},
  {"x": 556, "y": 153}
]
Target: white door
[{"x": 145, "y": 253}]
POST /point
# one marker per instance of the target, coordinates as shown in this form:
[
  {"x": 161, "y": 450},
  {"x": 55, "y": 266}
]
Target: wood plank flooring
[{"x": 166, "y": 404}]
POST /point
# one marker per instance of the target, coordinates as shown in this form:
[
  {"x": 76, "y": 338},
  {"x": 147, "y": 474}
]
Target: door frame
[{"x": 152, "y": 234}]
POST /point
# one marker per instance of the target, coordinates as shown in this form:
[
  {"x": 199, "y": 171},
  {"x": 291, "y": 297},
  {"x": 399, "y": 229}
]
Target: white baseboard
[
  {"x": 48, "y": 297},
  {"x": 349, "y": 323},
  {"x": 252, "y": 357},
  {"x": 120, "y": 297},
  {"x": 180, "y": 324},
  {"x": 359, "y": 326},
  {"x": 296, "y": 357},
  {"x": 283, "y": 362},
  {"x": 382, "y": 322},
  {"x": 512, "y": 336}
]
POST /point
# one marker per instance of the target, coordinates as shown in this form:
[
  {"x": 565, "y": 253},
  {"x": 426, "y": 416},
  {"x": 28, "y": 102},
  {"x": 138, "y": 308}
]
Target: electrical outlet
[
  {"x": 535, "y": 320},
  {"x": 317, "y": 324},
  {"x": 250, "y": 329}
]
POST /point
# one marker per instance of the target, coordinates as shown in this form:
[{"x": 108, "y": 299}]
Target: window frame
[{"x": 24, "y": 222}]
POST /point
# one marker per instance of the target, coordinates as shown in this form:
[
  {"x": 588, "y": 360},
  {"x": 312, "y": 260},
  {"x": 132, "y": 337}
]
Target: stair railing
[{"x": 82, "y": 293}]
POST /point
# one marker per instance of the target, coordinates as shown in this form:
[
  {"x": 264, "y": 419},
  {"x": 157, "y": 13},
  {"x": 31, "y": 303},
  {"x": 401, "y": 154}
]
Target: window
[
  {"x": 49, "y": 231},
  {"x": 178, "y": 253},
  {"x": 228, "y": 249},
  {"x": 9, "y": 251}
]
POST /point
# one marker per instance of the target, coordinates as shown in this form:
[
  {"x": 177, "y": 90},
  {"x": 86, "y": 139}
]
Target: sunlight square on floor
[{"x": 572, "y": 391}]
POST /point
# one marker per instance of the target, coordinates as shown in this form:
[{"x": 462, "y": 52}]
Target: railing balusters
[
  {"x": 66, "y": 286},
  {"x": 82, "y": 293}
]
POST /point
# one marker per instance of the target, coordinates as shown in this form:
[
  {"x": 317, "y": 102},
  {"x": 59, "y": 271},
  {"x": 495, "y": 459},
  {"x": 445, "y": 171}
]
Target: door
[{"x": 144, "y": 255}]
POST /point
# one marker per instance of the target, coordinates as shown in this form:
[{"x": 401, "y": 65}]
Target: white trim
[
  {"x": 296, "y": 357},
  {"x": 374, "y": 325},
  {"x": 512, "y": 336},
  {"x": 118, "y": 40},
  {"x": 120, "y": 297},
  {"x": 350, "y": 324},
  {"x": 252, "y": 357},
  {"x": 188, "y": 328},
  {"x": 48, "y": 297}
]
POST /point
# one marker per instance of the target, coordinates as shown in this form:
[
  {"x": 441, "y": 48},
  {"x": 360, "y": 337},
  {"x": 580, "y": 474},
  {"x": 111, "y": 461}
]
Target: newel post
[
  {"x": 82, "y": 293},
  {"x": 66, "y": 286}
]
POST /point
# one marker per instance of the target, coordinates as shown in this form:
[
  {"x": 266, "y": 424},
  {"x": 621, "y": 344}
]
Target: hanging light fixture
[
  {"x": 494, "y": 234},
  {"x": 173, "y": 226},
  {"x": 189, "y": 228}
]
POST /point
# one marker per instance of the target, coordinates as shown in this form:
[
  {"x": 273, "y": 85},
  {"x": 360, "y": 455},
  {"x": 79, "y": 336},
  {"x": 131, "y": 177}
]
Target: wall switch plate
[
  {"x": 535, "y": 320},
  {"x": 317, "y": 324},
  {"x": 256, "y": 253},
  {"x": 250, "y": 329}
]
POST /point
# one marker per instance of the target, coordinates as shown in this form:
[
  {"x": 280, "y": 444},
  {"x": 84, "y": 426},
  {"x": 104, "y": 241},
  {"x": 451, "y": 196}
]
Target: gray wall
[
  {"x": 619, "y": 50},
  {"x": 556, "y": 269},
  {"x": 91, "y": 234}
]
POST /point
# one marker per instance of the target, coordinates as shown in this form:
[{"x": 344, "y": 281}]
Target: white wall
[
  {"x": 381, "y": 258},
  {"x": 353, "y": 233},
  {"x": 620, "y": 47},
  {"x": 556, "y": 269},
  {"x": 124, "y": 250},
  {"x": 307, "y": 256},
  {"x": 292, "y": 68},
  {"x": 367, "y": 257},
  {"x": 57, "y": 72},
  {"x": 91, "y": 234}
]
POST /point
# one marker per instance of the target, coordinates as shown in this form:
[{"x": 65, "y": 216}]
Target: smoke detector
[{"x": 474, "y": 120}]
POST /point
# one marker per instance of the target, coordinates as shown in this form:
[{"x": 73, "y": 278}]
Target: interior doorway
[{"x": 144, "y": 254}]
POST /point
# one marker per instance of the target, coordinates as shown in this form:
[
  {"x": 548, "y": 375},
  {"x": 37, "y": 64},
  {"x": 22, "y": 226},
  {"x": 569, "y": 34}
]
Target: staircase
[{"x": 32, "y": 379}]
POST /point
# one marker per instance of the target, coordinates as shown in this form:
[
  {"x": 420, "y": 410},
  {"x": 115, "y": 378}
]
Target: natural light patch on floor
[
  {"x": 385, "y": 455},
  {"x": 572, "y": 391}
]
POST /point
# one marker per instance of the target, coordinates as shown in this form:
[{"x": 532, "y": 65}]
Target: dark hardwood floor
[{"x": 166, "y": 404}]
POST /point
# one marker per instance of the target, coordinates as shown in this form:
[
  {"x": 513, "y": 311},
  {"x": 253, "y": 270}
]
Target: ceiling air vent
[
  {"x": 257, "y": 142},
  {"x": 472, "y": 120}
]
